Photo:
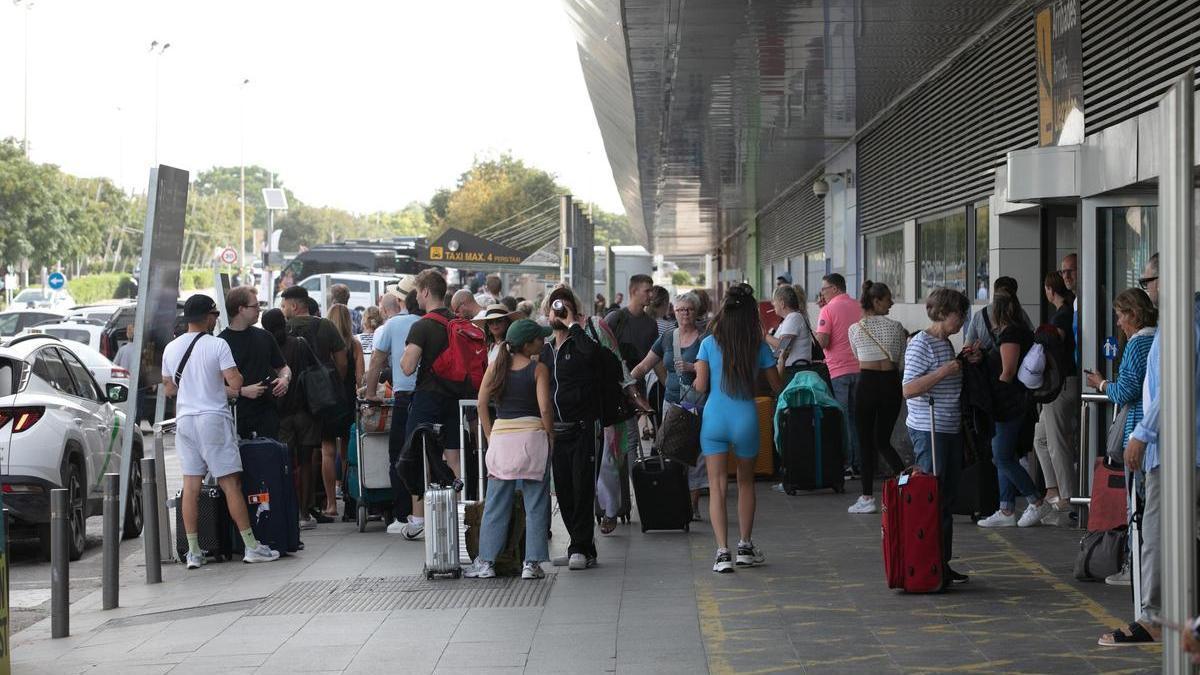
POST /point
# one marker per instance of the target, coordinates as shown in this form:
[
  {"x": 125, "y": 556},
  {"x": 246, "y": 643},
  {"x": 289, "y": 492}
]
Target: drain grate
[{"x": 369, "y": 594}]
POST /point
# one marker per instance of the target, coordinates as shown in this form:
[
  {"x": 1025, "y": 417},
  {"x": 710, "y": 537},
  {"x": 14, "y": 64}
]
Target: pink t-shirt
[{"x": 836, "y": 318}]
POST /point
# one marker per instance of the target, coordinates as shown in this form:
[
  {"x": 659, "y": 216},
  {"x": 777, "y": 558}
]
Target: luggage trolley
[{"x": 368, "y": 478}]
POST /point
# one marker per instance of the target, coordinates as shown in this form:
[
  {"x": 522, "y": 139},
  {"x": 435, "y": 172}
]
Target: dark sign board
[
  {"x": 1060, "y": 74},
  {"x": 158, "y": 294},
  {"x": 456, "y": 246}
]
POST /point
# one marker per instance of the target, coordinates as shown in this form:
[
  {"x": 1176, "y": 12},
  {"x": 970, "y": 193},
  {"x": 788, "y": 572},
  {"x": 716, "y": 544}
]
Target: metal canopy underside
[{"x": 709, "y": 109}]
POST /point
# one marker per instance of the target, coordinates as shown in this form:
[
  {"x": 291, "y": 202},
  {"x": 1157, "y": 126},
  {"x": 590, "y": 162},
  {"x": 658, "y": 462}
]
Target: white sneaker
[
  {"x": 194, "y": 561},
  {"x": 532, "y": 570},
  {"x": 998, "y": 519},
  {"x": 724, "y": 562},
  {"x": 307, "y": 523},
  {"x": 413, "y": 531},
  {"x": 578, "y": 561},
  {"x": 260, "y": 553},
  {"x": 748, "y": 554},
  {"x": 1121, "y": 577},
  {"x": 480, "y": 569},
  {"x": 1033, "y": 514},
  {"x": 560, "y": 561},
  {"x": 396, "y": 527},
  {"x": 864, "y": 504}
]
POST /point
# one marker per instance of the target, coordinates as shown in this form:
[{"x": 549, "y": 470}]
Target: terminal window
[
  {"x": 942, "y": 252},
  {"x": 885, "y": 260}
]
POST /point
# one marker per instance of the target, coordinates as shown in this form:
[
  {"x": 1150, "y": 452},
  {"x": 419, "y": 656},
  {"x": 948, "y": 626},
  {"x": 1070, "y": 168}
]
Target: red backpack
[{"x": 465, "y": 358}]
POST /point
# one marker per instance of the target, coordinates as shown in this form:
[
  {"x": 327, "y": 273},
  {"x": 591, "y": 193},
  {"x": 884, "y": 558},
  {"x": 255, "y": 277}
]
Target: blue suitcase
[{"x": 270, "y": 493}]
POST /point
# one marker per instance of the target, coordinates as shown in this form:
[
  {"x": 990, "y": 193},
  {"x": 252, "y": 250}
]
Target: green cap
[{"x": 524, "y": 330}]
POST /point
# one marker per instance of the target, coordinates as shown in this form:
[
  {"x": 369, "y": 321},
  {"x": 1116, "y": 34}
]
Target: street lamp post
[
  {"x": 28, "y": 5},
  {"x": 242, "y": 161},
  {"x": 157, "y": 49}
]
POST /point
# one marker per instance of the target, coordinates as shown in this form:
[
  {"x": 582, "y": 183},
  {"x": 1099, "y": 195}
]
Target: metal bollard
[
  {"x": 60, "y": 553},
  {"x": 150, "y": 524},
  {"x": 112, "y": 540}
]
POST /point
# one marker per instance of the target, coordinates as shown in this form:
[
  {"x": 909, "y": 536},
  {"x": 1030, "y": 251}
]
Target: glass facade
[
  {"x": 942, "y": 252},
  {"x": 983, "y": 281},
  {"x": 1133, "y": 232},
  {"x": 814, "y": 265},
  {"x": 885, "y": 260}
]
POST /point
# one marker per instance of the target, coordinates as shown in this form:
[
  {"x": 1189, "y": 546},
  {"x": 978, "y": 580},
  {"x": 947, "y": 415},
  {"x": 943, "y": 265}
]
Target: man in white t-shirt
[{"x": 199, "y": 371}]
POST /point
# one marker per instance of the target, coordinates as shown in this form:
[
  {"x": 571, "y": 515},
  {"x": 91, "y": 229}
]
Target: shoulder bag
[
  {"x": 863, "y": 326},
  {"x": 186, "y": 355},
  {"x": 320, "y": 392}
]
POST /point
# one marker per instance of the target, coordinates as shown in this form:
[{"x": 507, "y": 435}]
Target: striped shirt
[
  {"x": 1127, "y": 388},
  {"x": 924, "y": 355}
]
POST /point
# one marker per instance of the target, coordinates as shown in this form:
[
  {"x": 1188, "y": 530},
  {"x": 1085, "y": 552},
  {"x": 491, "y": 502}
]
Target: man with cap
[
  {"x": 327, "y": 344},
  {"x": 784, "y": 279},
  {"x": 199, "y": 371}
]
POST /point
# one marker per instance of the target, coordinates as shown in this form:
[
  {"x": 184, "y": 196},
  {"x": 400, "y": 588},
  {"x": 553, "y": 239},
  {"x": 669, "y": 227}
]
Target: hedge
[{"x": 91, "y": 288}]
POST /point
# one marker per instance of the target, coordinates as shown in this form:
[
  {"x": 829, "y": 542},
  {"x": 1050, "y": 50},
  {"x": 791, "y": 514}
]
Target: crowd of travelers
[{"x": 539, "y": 413}]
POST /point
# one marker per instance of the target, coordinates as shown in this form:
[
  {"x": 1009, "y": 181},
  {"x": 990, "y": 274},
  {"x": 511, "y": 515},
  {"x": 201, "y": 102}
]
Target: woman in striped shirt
[
  {"x": 933, "y": 379},
  {"x": 1137, "y": 318}
]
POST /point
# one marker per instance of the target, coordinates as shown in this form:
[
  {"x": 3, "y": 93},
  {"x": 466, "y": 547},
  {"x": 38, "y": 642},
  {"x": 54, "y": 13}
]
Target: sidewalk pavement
[{"x": 355, "y": 602}]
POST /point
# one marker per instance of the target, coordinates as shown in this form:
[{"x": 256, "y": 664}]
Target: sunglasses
[{"x": 1146, "y": 281}]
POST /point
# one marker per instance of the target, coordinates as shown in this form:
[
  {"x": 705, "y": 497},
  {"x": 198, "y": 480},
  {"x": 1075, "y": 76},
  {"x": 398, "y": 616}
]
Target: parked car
[
  {"x": 100, "y": 311},
  {"x": 14, "y": 321},
  {"x": 86, "y": 332},
  {"x": 364, "y": 256},
  {"x": 105, "y": 371},
  {"x": 60, "y": 429},
  {"x": 38, "y": 298},
  {"x": 114, "y": 334},
  {"x": 365, "y": 289}
]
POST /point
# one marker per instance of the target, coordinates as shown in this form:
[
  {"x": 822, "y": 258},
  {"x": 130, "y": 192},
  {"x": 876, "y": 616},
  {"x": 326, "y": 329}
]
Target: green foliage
[
  {"x": 91, "y": 288},
  {"x": 492, "y": 190},
  {"x": 681, "y": 278},
  {"x": 195, "y": 279}
]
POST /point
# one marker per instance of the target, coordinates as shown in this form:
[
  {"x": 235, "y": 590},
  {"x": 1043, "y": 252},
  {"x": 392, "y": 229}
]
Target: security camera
[{"x": 820, "y": 187}]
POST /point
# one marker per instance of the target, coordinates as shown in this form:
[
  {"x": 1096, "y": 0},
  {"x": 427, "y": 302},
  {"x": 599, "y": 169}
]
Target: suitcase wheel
[
  {"x": 793, "y": 492},
  {"x": 457, "y": 574},
  {"x": 428, "y": 575},
  {"x": 362, "y": 517},
  {"x": 643, "y": 528},
  {"x": 687, "y": 527}
]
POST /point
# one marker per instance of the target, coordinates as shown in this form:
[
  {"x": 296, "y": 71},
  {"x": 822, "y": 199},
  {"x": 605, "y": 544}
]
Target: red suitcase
[
  {"x": 912, "y": 529},
  {"x": 1110, "y": 500}
]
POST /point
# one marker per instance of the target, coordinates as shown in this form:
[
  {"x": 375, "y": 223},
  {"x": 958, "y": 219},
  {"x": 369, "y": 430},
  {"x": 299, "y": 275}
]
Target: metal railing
[{"x": 1087, "y": 454}]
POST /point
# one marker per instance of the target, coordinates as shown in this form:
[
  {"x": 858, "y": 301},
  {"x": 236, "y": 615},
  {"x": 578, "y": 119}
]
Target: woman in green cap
[{"x": 519, "y": 444}]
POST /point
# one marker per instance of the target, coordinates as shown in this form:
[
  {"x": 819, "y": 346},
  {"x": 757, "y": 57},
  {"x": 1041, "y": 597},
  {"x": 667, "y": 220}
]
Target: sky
[{"x": 360, "y": 105}]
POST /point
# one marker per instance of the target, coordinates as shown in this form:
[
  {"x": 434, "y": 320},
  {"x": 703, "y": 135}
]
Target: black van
[{"x": 333, "y": 258}]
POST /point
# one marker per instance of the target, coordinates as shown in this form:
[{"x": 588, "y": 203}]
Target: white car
[
  {"x": 88, "y": 333},
  {"x": 14, "y": 321},
  {"x": 38, "y": 298},
  {"x": 60, "y": 428},
  {"x": 365, "y": 289},
  {"x": 100, "y": 312}
]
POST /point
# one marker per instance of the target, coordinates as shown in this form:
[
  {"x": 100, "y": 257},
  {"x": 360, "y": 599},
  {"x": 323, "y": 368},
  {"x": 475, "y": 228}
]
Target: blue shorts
[{"x": 730, "y": 422}]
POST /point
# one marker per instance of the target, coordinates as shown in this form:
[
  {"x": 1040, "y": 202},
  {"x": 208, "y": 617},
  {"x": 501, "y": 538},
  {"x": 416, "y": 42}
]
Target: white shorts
[{"x": 206, "y": 443}]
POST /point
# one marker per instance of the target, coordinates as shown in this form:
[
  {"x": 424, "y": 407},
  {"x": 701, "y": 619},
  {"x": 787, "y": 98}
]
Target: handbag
[
  {"x": 1116, "y": 436},
  {"x": 866, "y": 331},
  {"x": 320, "y": 392},
  {"x": 679, "y": 434},
  {"x": 1101, "y": 554}
]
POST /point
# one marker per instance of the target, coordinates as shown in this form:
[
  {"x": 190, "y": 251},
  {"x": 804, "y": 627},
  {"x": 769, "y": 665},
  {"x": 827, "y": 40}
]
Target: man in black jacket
[{"x": 571, "y": 356}]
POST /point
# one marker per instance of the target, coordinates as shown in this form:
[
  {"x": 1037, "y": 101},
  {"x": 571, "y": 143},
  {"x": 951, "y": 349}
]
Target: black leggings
[{"x": 877, "y": 404}]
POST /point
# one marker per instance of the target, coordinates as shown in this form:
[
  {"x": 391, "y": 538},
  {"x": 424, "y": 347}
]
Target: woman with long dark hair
[
  {"x": 1056, "y": 438},
  {"x": 1010, "y": 405},
  {"x": 878, "y": 343},
  {"x": 728, "y": 366}
]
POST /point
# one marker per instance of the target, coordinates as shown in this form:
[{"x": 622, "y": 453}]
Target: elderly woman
[
  {"x": 673, "y": 357},
  {"x": 933, "y": 379},
  {"x": 494, "y": 321}
]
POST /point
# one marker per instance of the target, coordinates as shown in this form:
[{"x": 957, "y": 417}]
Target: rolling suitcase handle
[
  {"x": 932, "y": 436},
  {"x": 463, "y": 404}
]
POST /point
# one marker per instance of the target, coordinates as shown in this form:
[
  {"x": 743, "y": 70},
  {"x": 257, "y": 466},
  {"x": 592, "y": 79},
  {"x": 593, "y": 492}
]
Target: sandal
[
  {"x": 1136, "y": 635},
  {"x": 607, "y": 525}
]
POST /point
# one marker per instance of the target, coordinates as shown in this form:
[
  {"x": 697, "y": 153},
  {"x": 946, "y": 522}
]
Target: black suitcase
[
  {"x": 271, "y": 500},
  {"x": 813, "y": 449},
  {"x": 660, "y": 485},
  {"x": 215, "y": 528}
]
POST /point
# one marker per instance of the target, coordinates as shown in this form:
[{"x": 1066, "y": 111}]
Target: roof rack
[{"x": 31, "y": 336}]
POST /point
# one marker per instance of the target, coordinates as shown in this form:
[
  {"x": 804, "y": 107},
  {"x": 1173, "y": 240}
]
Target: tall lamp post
[
  {"x": 242, "y": 161},
  {"x": 28, "y": 5},
  {"x": 157, "y": 49}
]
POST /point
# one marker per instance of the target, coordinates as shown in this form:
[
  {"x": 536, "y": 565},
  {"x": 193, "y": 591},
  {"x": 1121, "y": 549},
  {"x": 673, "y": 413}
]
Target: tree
[
  {"x": 226, "y": 180},
  {"x": 614, "y": 228},
  {"x": 311, "y": 225},
  {"x": 681, "y": 278},
  {"x": 493, "y": 190}
]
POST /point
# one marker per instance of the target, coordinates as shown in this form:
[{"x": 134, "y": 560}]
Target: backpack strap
[
  {"x": 186, "y": 355},
  {"x": 987, "y": 323}
]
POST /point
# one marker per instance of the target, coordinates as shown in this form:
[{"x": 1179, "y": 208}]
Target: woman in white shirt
[
  {"x": 793, "y": 338},
  {"x": 878, "y": 343}
]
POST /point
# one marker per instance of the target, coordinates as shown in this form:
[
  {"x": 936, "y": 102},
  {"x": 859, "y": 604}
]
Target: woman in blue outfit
[{"x": 727, "y": 368}]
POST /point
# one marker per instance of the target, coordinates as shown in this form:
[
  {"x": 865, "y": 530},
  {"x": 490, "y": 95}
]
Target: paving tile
[
  {"x": 207, "y": 665},
  {"x": 471, "y": 655},
  {"x": 297, "y": 658},
  {"x": 254, "y": 635},
  {"x": 338, "y": 629}
]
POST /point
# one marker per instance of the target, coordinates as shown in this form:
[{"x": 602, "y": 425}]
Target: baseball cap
[
  {"x": 786, "y": 277},
  {"x": 1032, "y": 367},
  {"x": 524, "y": 330},
  {"x": 198, "y": 307}
]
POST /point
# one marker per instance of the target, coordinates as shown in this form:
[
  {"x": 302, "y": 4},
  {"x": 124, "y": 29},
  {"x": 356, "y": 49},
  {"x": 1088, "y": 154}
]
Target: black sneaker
[
  {"x": 320, "y": 517},
  {"x": 956, "y": 577},
  {"x": 724, "y": 562},
  {"x": 749, "y": 555}
]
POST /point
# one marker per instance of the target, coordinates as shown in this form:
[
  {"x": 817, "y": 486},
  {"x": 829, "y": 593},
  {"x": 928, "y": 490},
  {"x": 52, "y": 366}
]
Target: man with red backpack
[{"x": 449, "y": 356}]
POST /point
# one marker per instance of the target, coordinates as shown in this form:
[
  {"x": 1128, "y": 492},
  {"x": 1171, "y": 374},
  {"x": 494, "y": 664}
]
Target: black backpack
[
  {"x": 610, "y": 372},
  {"x": 1053, "y": 375}
]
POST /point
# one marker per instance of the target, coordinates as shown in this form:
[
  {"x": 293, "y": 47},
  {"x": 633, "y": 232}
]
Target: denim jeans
[
  {"x": 401, "y": 497},
  {"x": 1013, "y": 478},
  {"x": 497, "y": 511},
  {"x": 949, "y": 469},
  {"x": 844, "y": 390}
]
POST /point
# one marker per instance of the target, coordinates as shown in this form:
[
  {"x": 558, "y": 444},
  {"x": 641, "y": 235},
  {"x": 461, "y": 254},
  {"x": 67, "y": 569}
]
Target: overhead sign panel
[
  {"x": 456, "y": 246},
  {"x": 1060, "y": 74}
]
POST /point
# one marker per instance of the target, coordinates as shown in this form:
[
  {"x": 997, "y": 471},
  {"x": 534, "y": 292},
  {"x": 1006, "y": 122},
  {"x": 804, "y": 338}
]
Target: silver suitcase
[{"x": 441, "y": 526}]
